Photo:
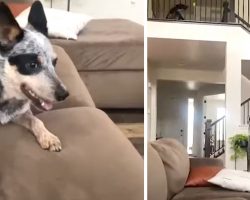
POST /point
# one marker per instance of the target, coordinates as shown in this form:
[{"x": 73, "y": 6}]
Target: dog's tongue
[{"x": 47, "y": 105}]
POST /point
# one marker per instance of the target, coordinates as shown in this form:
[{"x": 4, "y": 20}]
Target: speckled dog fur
[{"x": 17, "y": 69}]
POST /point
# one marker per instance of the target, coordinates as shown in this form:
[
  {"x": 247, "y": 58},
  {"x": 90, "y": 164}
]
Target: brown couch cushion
[
  {"x": 157, "y": 181},
  {"x": 107, "y": 44},
  {"x": 176, "y": 163},
  {"x": 97, "y": 161},
  {"x": 210, "y": 193},
  {"x": 79, "y": 94},
  {"x": 115, "y": 89},
  {"x": 198, "y": 176}
]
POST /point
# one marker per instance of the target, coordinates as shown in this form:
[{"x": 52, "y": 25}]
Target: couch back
[{"x": 199, "y": 162}]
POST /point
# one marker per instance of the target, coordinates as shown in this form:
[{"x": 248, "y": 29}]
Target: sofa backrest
[{"x": 199, "y": 162}]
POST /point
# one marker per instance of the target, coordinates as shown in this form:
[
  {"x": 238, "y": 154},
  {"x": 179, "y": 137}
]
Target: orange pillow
[
  {"x": 198, "y": 176},
  {"x": 17, "y": 8}
]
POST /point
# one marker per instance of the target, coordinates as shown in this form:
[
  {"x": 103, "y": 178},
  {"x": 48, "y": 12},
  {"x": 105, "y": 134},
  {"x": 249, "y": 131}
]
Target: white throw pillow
[
  {"x": 232, "y": 179},
  {"x": 61, "y": 23}
]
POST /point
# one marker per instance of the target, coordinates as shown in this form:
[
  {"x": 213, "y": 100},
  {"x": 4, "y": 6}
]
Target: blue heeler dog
[{"x": 27, "y": 74}]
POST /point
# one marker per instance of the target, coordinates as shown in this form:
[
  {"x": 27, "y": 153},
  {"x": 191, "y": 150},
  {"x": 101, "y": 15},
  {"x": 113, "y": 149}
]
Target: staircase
[
  {"x": 245, "y": 112},
  {"x": 215, "y": 138},
  {"x": 215, "y": 132}
]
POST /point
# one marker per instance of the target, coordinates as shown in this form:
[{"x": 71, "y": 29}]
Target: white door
[{"x": 173, "y": 122}]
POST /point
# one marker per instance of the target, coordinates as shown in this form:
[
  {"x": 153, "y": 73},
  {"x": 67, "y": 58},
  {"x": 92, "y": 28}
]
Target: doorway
[{"x": 181, "y": 111}]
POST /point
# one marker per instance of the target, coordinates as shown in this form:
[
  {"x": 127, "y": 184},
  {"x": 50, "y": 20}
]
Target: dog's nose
[{"x": 61, "y": 93}]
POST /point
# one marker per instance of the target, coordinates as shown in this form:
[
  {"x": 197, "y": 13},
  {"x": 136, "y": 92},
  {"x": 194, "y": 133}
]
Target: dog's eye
[
  {"x": 27, "y": 64},
  {"x": 31, "y": 65}
]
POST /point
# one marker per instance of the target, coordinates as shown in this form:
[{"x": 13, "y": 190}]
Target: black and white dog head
[{"x": 28, "y": 71}]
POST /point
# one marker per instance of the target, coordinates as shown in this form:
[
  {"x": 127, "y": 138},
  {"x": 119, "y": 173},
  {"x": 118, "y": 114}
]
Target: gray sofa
[{"x": 163, "y": 184}]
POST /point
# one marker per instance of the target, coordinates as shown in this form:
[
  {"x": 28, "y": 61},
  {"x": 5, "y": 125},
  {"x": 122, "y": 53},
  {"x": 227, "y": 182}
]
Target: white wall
[
  {"x": 152, "y": 110},
  {"x": 127, "y": 9},
  {"x": 233, "y": 94},
  {"x": 203, "y": 32},
  {"x": 210, "y": 108},
  {"x": 237, "y": 49}
]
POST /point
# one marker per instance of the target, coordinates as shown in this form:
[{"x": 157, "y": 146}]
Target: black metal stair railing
[
  {"x": 214, "y": 11},
  {"x": 68, "y": 4},
  {"x": 242, "y": 12},
  {"x": 215, "y": 132},
  {"x": 191, "y": 10},
  {"x": 245, "y": 112},
  {"x": 215, "y": 138}
]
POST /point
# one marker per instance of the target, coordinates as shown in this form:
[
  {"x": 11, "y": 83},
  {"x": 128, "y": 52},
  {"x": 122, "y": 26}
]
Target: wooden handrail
[
  {"x": 242, "y": 20},
  {"x": 215, "y": 122},
  {"x": 219, "y": 152},
  {"x": 244, "y": 102}
]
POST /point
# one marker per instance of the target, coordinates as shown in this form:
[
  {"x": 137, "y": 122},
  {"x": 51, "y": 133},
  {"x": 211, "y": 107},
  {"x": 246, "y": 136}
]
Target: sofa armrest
[
  {"x": 97, "y": 161},
  {"x": 198, "y": 162},
  {"x": 176, "y": 163},
  {"x": 157, "y": 181}
]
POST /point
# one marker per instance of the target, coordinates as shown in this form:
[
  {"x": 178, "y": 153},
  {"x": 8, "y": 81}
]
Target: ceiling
[
  {"x": 186, "y": 54},
  {"x": 181, "y": 85},
  {"x": 189, "y": 86}
]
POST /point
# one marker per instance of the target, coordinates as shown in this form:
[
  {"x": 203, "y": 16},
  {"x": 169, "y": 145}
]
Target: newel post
[{"x": 207, "y": 138}]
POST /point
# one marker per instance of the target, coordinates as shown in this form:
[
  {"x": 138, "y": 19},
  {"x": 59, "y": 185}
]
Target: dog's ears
[
  {"x": 10, "y": 31},
  {"x": 37, "y": 18}
]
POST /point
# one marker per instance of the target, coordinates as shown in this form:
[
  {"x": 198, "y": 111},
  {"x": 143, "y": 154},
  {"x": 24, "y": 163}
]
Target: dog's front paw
[{"x": 50, "y": 142}]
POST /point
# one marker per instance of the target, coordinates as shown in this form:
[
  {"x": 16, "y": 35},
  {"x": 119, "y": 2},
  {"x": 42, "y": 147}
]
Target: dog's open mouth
[{"x": 36, "y": 100}]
